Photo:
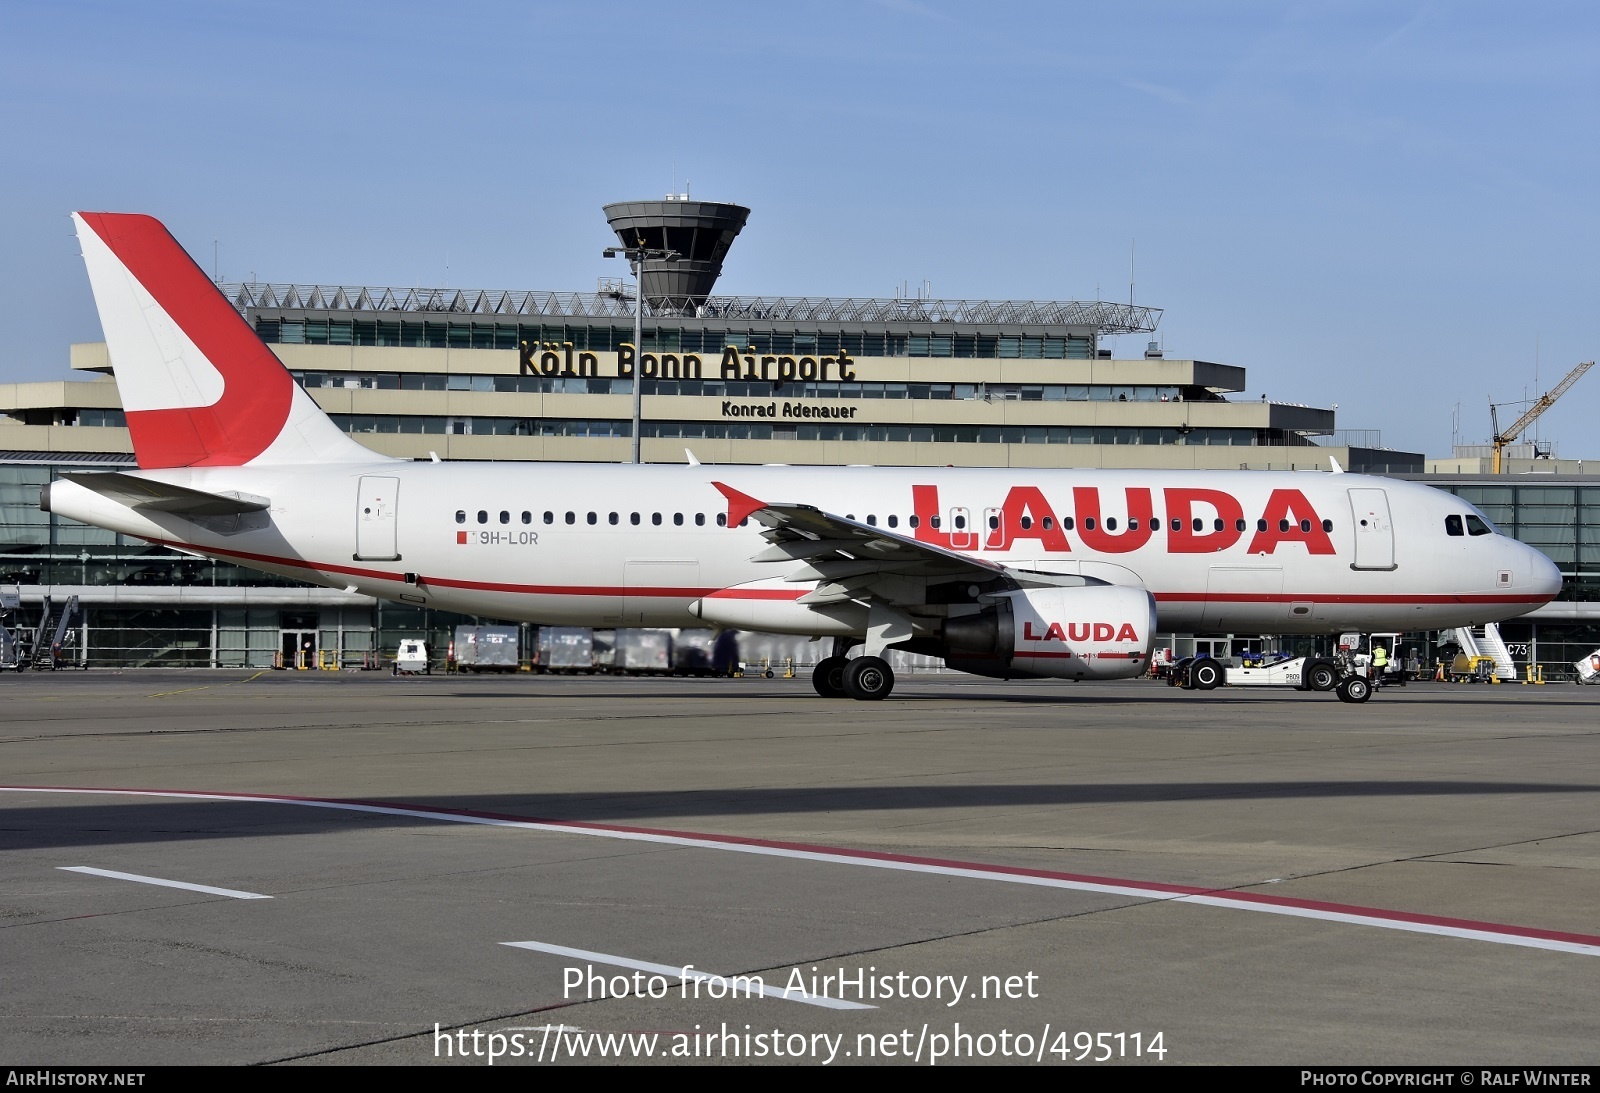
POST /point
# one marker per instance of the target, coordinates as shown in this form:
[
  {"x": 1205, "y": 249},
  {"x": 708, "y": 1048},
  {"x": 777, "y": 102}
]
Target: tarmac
[{"x": 434, "y": 869}]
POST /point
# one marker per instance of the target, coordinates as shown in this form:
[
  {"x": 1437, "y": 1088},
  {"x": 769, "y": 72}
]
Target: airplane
[{"x": 1005, "y": 573}]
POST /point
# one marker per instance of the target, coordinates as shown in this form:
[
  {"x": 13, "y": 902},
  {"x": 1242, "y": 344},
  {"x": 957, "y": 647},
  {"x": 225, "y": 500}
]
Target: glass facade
[
  {"x": 445, "y": 334},
  {"x": 711, "y": 388},
  {"x": 755, "y": 430}
]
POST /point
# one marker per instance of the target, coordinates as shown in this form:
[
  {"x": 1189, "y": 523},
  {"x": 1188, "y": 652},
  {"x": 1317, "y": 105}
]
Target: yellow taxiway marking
[{"x": 208, "y": 686}]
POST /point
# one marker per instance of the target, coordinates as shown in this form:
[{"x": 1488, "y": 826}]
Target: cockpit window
[
  {"x": 1452, "y": 525},
  {"x": 1477, "y": 525}
]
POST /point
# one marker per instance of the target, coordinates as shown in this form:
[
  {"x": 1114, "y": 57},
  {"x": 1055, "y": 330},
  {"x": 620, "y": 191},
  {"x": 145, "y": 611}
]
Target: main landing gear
[
  {"x": 828, "y": 678},
  {"x": 868, "y": 679}
]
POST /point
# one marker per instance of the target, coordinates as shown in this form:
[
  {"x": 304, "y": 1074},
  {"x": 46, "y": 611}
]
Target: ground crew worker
[{"x": 1380, "y": 663}]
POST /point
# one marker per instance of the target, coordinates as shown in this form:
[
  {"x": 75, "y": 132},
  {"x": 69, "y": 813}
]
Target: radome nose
[{"x": 1544, "y": 576}]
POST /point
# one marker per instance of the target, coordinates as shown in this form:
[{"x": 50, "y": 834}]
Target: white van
[{"x": 412, "y": 657}]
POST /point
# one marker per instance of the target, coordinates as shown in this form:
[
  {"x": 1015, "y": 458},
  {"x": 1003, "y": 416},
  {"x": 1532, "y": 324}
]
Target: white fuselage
[{"x": 620, "y": 545}]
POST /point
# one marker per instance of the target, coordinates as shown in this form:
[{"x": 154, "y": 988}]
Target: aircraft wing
[
  {"x": 855, "y": 561},
  {"x": 145, "y": 493}
]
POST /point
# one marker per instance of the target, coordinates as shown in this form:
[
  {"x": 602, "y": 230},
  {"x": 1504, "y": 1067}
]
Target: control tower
[{"x": 700, "y": 231}]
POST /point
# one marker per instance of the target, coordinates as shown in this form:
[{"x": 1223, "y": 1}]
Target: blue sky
[{"x": 1381, "y": 205}]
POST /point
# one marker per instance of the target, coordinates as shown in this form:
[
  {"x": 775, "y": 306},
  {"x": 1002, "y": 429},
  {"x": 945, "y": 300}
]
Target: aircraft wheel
[
  {"x": 1321, "y": 676},
  {"x": 868, "y": 679},
  {"x": 1354, "y": 689},
  {"x": 828, "y": 677},
  {"x": 1206, "y": 674}
]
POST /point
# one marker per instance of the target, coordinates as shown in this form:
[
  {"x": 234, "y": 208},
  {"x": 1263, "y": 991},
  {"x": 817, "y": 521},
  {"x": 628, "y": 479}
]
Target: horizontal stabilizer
[{"x": 144, "y": 493}]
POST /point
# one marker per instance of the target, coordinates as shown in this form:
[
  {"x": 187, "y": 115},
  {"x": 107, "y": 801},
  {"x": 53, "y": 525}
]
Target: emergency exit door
[
  {"x": 1374, "y": 530},
  {"x": 376, "y": 506}
]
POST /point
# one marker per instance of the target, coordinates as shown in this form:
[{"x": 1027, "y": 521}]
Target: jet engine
[{"x": 1096, "y": 632}]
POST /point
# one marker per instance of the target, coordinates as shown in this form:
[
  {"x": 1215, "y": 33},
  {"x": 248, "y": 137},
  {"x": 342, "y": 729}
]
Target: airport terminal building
[{"x": 548, "y": 376}]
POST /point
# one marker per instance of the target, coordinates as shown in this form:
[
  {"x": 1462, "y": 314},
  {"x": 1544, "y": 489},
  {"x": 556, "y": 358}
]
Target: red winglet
[{"x": 740, "y": 505}]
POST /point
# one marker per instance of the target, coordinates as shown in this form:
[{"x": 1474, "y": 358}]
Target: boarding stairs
[
  {"x": 48, "y": 656},
  {"x": 1485, "y": 641},
  {"x": 10, "y": 602}
]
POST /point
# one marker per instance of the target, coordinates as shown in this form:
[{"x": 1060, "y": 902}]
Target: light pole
[{"x": 637, "y": 256}]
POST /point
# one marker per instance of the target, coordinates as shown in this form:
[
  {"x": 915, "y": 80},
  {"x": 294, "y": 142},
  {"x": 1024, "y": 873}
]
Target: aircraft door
[
  {"x": 962, "y": 534},
  {"x": 1374, "y": 530},
  {"x": 376, "y": 507},
  {"x": 994, "y": 529}
]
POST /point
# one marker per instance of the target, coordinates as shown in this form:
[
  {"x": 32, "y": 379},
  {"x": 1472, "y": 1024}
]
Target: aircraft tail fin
[{"x": 199, "y": 388}]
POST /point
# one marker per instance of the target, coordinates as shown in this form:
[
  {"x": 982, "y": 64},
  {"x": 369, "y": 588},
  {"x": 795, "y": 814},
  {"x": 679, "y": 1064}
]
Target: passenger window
[
  {"x": 722, "y": 519},
  {"x": 1305, "y": 526},
  {"x": 1476, "y": 526},
  {"x": 483, "y": 516},
  {"x": 633, "y": 518},
  {"x": 1177, "y": 525},
  {"x": 592, "y": 518},
  {"x": 1199, "y": 524},
  {"x": 613, "y": 518},
  {"x": 572, "y": 518},
  {"x": 745, "y": 522},
  {"x": 655, "y": 518},
  {"x": 894, "y": 521},
  {"x": 872, "y": 519},
  {"x": 699, "y": 519},
  {"x": 961, "y": 523},
  {"x": 1239, "y": 525},
  {"x": 549, "y": 517},
  {"x": 1283, "y": 525},
  {"x": 505, "y": 517},
  {"x": 461, "y": 516},
  {"x": 1048, "y": 523},
  {"x": 1452, "y": 525},
  {"x": 1088, "y": 523},
  {"x": 1327, "y": 525},
  {"x": 914, "y": 521},
  {"x": 1026, "y": 522},
  {"x": 1218, "y": 524},
  {"x": 677, "y": 518},
  {"x": 527, "y": 517},
  {"x": 933, "y": 521},
  {"x": 1066, "y": 524}
]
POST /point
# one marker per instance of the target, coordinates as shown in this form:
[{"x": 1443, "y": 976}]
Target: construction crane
[{"x": 1540, "y": 405}]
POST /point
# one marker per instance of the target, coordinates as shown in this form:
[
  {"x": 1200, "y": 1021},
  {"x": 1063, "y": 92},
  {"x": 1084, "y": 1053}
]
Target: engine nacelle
[{"x": 1095, "y": 632}]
